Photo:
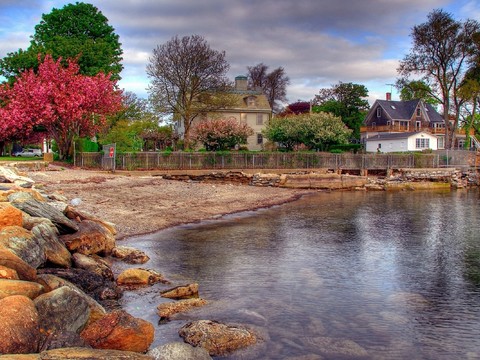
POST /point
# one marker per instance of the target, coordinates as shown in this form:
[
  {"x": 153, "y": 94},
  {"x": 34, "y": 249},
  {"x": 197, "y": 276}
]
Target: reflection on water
[{"x": 334, "y": 275}]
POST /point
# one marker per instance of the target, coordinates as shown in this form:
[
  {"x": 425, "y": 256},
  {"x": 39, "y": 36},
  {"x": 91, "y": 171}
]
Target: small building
[{"x": 385, "y": 142}]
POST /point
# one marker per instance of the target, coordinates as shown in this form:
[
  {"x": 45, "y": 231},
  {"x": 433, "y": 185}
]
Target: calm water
[{"x": 333, "y": 276}]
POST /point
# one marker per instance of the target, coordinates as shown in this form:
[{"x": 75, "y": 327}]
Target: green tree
[
  {"x": 188, "y": 79},
  {"x": 346, "y": 100},
  {"x": 78, "y": 31},
  {"x": 221, "y": 134},
  {"x": 416, "y": 89}
]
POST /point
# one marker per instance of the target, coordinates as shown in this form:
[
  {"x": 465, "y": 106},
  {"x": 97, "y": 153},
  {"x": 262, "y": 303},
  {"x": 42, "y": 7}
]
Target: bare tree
[
  {"x": 188, "y": 78},
  {"x": 440, "y": 52},
  {"x": 273, "y": 84}
]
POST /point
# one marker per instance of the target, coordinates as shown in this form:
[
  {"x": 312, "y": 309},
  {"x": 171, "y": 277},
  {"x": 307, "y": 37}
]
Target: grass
[{"x": 19, "y": 158}]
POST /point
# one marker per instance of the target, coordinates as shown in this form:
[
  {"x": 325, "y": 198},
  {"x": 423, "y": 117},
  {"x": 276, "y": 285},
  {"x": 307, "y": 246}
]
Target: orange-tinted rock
[
  {"x": 7, "y": 273},
  {"x": 78, "y": 353},
  {"x": 20, "y": 287},
  {"x": 23, "y": 244},
  {"x": 54, "y": 249},
  {"x": 181, "y": 292},
  {"x": 139, "y": 277},
  {"x": 166, "y": 310},
  {"x": 130, "y": 255},
  {"x": 12, "y": 261},
  {"x": 91, "y": 238},
  {"x": 10, "y": 215},
  {"x": 120, "y": 331},
  {"x": 19, "y": 332}
]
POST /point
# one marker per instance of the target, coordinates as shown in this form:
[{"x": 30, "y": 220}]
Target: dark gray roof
[
  {"x": 404, "y": 110},
  {"x": 393, "y": 136}
]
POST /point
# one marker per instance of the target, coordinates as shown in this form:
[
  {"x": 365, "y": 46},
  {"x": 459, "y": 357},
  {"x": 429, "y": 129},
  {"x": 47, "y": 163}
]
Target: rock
[
  {"x": 217, "y": 338},
  {"x": 19, "y": 332},
  {"x": 55, "y": 251},
  {"x": 12, "y": 261},
  {"x": 23, "y": 244},
  {"x": 93, "y": 263},
  {"x": 9, "y": 175},
  {"x": 10, "y": 215},
  {"x": 166, "y": 310},
  {"x": 179, "y": 351},
  {"x": 139, "y": 277},
  {"x": 92, "y": 284},
  {"x": 119, "y": 331},
  {"x": 62, "y": 310},
  {"x": 29, "y": 222},
  {"x": 130, "y": 255},
  {"x": 78, "y": 353},
  {"x": 91, "y": 238},
  {"x": 335, "y": 348},
  {"x": 181, "y": 292},
  {"x": 53, "y": 282},
  {"x": 20, "y": 287},
  {"x": 7, "y": 273},
  {"x": 27, "y": 203},
  {"x": 73, "y": 213}
]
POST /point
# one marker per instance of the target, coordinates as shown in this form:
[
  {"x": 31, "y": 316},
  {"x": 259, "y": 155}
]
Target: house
[
  {"x": 400, "y": 142},
  {"x": 403, "y": 117}
]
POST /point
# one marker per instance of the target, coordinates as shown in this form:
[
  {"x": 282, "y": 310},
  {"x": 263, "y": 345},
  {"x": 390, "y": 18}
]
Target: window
[
  {"x": 259, "y": 119},
  {"x": 422, "y": 143},
  {"x": 379, "y": 111},
  {"x": 259, "y": 139},
  {"x": 418, "y": 111},
  {"x": 251, "y": 101},
  {"x": 243, "y": 118},
  {"x": 379, "y": 146}
]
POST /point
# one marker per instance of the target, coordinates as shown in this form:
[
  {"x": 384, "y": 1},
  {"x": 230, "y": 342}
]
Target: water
[{"x": 332, "y": 276}]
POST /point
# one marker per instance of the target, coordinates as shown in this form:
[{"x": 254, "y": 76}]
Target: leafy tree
[
  {"x": 273, "y": 84},
  {"x": 78, "y": 31},
  {"x": 221, "y": 134},
  {"x": 416, "y": 89},
  {"x": 346, "y": 100},
  {"x": 188, "y": 79},
  {"x": 59, "y": 100},
  {"x": 317, "y": 131},
  {"x": 441, "y": 49},
  {"x": 298, "y": 107}
]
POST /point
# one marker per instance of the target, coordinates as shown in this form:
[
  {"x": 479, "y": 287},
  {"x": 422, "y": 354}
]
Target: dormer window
[
  {"x": 379, "y": 112},
  {"x": 251, "y": 101},
  {"x": 418, "y": 111}
]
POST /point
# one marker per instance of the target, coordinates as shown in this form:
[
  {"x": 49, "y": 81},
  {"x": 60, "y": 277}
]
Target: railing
[
  {"x": 262, "y": 160},
  {"x": 398, "y": 128}
]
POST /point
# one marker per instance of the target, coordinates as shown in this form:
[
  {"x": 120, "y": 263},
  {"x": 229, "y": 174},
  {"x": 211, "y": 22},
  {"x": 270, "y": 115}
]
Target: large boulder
[
  {"x": 7, "y": 273},
  {"x": 10, "y": 175},
  {"x": 79, "y": 353},
  {"x": 217, "y": 338},
  {"x": 19, "y": 332},
  {"x": 139, "y": 277},
  {"x": 61, "y": 311},
  {"x": 91, "y": 238},
  {"x": 181, "y": 292},
  {"x": 179, "y": 351},
  {"x": 10, "y": 215},
  {"x": 74, "y": 213},
  {"x": 19, "y": 287},
  {"x": 12, "y": 261},
  {"x": 130, "y": 255},
  {"x": 120, "y": 331},
  {"x": 27, "y": 203},
  {"x": 93, "y": 263},
  {"x": 55, "y": 251},
  {"x": 22, "y": 243},
  {"x": 166, "y": 310}
]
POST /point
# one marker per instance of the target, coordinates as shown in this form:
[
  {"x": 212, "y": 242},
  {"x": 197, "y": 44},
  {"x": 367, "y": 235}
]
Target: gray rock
[
  {"x": 93, "y": 263},
  {"x": 54, "y": 250},
  {"x": 23, "y": 244},
  {"x": 179, "y": 351}
]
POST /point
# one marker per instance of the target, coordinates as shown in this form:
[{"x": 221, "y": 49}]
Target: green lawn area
[{"x": 20, "y": 158}]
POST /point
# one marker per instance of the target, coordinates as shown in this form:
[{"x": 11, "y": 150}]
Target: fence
[{"x": 262, "y": 160}]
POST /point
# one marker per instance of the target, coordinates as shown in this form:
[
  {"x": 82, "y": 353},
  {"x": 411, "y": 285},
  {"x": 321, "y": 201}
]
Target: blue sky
[{"x": 318, "y": 42}]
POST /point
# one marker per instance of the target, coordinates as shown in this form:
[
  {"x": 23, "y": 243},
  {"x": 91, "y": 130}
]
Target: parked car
[{"x": 29, "y": 153}]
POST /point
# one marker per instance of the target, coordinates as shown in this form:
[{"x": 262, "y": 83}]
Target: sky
[{"x": 319, "y": 43}]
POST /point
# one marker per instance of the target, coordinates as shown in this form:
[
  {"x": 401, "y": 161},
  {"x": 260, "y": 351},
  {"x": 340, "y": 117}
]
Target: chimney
[
  {"x": 241, "y": 83},
  {"x": 389, "y": 96}
]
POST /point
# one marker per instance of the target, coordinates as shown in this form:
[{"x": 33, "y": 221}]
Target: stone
[
  {"x": 181, "y": 292},
  {"x": 10, "y": 215},
  {"x": 73, "y": 213},
  {"x": 19, "y": 332},
  {"x": 53, "y": 282},
  {"x": 23, "y": 244},
  {"x": 335, "y": 348},
  {"x": 120, "y": 331},
  {"x": 62, "y": 310},
  {"x": 55, "y": 251},
  {"x": 79, "y": 353},
  {"x": 91, "y": 238},
  {"x": 179, "y": 351},
  {"x": 7, "y": 273},
  {"x": 20, "y": 287},
  {"x": 92, "y": 284},
  {"x": 29, "y": 222},
  {"x": 27, "y": 203},
  {"x": 9, "y": 175},
  {"x": 12, "y": 261},
  {"x": 93, "y": 263},
  {"x": 139, "y": 277},
  {"x": 166, "y": 310},
  {"x": 130, "y": 255}
]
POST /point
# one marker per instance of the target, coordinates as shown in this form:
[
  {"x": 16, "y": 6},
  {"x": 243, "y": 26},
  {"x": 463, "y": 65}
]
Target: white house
[{"x": 399, "y": 142}]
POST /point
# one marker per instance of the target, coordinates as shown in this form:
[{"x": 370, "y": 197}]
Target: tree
[
  {"x": 345, "y": 100},
  {"x": 416, "y": 89},
  {"x": 221, "y": 134},
  {"x": 59, "y": 100},
  {"x": 188, "y": 79},
  {"x": 316, "y": 131},
  {"x": 273, "y": 84},
  {"x": 441, "y": 49},
  {"x": 298, "y": 107},
  {"x": 78, "y": 31}
]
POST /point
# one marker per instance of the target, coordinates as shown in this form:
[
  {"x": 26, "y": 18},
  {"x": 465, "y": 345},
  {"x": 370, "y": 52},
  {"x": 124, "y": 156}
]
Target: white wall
[{"x": 400, "y": 145}]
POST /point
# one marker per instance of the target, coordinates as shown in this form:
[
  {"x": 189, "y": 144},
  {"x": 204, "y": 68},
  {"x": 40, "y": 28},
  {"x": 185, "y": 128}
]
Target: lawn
[{"x": 19, "y": 158}]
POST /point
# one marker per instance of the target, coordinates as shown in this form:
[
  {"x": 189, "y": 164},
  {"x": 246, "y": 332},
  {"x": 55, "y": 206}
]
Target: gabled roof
[
  {"x": 405, "y": 110},
  {"x": 395, "y": 136},
  {"x": 241, "y": 100}
]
